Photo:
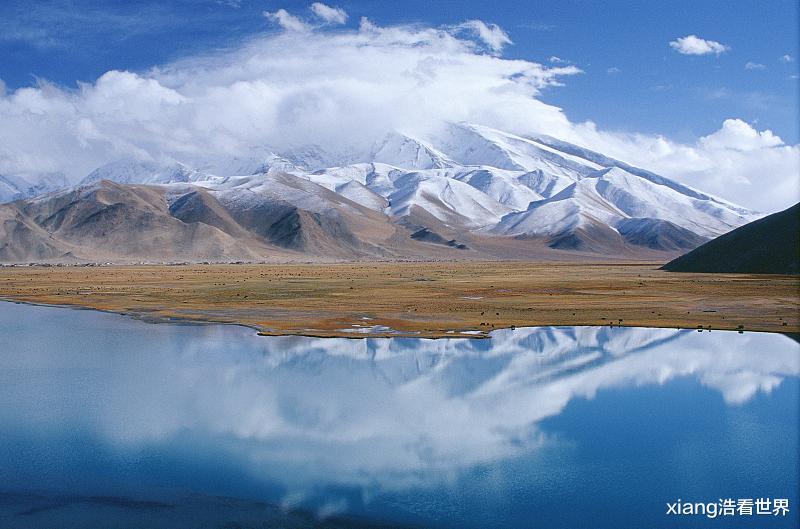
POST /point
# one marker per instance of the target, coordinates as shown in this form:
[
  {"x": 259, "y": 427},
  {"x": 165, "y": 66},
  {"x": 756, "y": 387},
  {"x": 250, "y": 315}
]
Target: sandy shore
[{"x": 420, "y": 299}]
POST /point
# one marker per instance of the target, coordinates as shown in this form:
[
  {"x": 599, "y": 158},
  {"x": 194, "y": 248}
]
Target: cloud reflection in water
[{"x": 372, "y": 412}]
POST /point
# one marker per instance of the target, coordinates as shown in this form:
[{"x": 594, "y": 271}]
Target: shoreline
[
  {"x": 420, "y": 300},
  {"x": 362, "y": 336}
]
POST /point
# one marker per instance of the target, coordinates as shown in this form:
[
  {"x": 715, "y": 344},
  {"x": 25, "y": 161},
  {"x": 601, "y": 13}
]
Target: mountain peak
[
  {"x": 132, "y": 171},
  {"x": 464, "y": 181},
  {"x": 402, "y": 150}
]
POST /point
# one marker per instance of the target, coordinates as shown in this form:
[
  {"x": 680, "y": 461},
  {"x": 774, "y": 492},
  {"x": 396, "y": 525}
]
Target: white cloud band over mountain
[{"x": 342, "y": 89}]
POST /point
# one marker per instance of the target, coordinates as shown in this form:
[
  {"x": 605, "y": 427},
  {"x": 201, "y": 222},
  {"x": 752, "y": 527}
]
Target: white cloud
[
  {"x": 694, "y": 45},
  {"x": 331, "y": 15},
  {"x": 334, "y": 89},
  {"x": 341, "y": 90},
  {"x": 737, "y": 162},
  {"x": 754, "y": 66},
  {"x": 248, "y": 399},
  {"x": 738, "y": 135},
  {"x": 786, "y": 58},
  {"x": 491, "y": 34},
  {"x": 366, "y": 26},
  {"x": 287, "y": 21},
  {"x": 556, "y": 60},
  {"x": 613, "y": 70}
]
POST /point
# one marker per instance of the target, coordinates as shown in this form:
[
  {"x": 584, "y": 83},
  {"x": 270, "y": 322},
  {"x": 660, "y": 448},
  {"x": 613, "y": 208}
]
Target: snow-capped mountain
[
  {"x": 460, "y": 187},
  {"x": 19, "y": 187},
  {"x": 145, "y": 172},
  {"x": 615, "y": 198},
  {"x": 409, "y": 153}
]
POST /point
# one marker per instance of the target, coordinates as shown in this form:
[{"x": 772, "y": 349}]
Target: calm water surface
[{"x": 110, "y": 422}]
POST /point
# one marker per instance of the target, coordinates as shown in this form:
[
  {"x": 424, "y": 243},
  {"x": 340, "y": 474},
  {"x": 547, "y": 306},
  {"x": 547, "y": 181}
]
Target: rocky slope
[{"x": 467, "y": 190}]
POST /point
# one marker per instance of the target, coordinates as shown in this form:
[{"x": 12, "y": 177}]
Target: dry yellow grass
[{"x": 428, "y": 299}]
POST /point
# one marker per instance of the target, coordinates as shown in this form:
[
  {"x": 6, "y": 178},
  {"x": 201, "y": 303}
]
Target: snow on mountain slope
[
  {"x": 371, "y": 184},
  {"x": 605, "y": 161},
  {"x": 544, "y": 185},
  {"x": 506, "y": 187},
  {"x": 510, "y": 188},
  {"x": 144, "y": 172},
  {"x": 641, "y": 197},
  {"x": 658, "y": 234},
  {"x": 377, "y": 177},
  {"x": 361, "y": 194},
  {"x": 297, "y": 191},
  {"x": 351, "y": 182},
  {"x": 257, "y": 160},
  {"x": 449, "y": 200},
  {"x": 470, "y": 144},
  {"x": 610, "y": 197},
  {"x": 18, "y": 187},
  {"x": 315, "y": 157},
  {"x": 336, "y": 176},
  {"x": 469, "y": 177},
  {"x": 409, "y": 153},
  {"x": 574, "y": 207}
]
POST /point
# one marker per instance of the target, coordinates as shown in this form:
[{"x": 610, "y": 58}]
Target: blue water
[{"x": 110, "y": 422}]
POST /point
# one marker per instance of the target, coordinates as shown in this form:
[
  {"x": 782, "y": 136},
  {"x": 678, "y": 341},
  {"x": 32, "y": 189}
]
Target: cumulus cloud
[
  {"x": 694, "y": 45},
  {"x": 754, "y": 66},
  {"x": 334, "y": 89},
  {"x": 491, "y": 34},
  {"x": 739, "y": 135},
  {"x": 752, "y": 168},
  {"x": 286, "y": 20},
  {"x": 330, "y": 15},
  {"x": 343, "y": 90},
  {"x": 786, "y": 58}
]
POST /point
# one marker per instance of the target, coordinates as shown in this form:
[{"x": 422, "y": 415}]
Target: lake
[{"x": 106, "y": 421}]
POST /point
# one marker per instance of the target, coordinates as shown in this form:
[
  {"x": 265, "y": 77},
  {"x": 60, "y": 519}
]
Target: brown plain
[{"x": 428, "y": 299}]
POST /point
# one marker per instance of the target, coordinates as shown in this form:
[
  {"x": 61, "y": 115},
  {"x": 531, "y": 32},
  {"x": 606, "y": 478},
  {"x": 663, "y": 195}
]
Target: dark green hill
[{"x": 770, "y": 245}]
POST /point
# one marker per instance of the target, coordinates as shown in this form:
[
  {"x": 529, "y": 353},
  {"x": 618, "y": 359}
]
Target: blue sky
[
  {"x": 704, "y": 92},
  {"x": 632, "y": 81}
]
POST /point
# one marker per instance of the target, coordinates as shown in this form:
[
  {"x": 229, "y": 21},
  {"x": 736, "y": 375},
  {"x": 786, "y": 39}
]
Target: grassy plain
[{"x": 430, "y": 299}]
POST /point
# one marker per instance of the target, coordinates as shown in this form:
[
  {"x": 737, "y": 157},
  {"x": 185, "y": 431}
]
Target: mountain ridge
[
  {"x": 479, "y": 186},
  {"x": 769, "y": 245}
]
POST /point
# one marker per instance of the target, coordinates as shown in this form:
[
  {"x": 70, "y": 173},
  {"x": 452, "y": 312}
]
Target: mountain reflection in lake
[{"x": 550, "y": 427}]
